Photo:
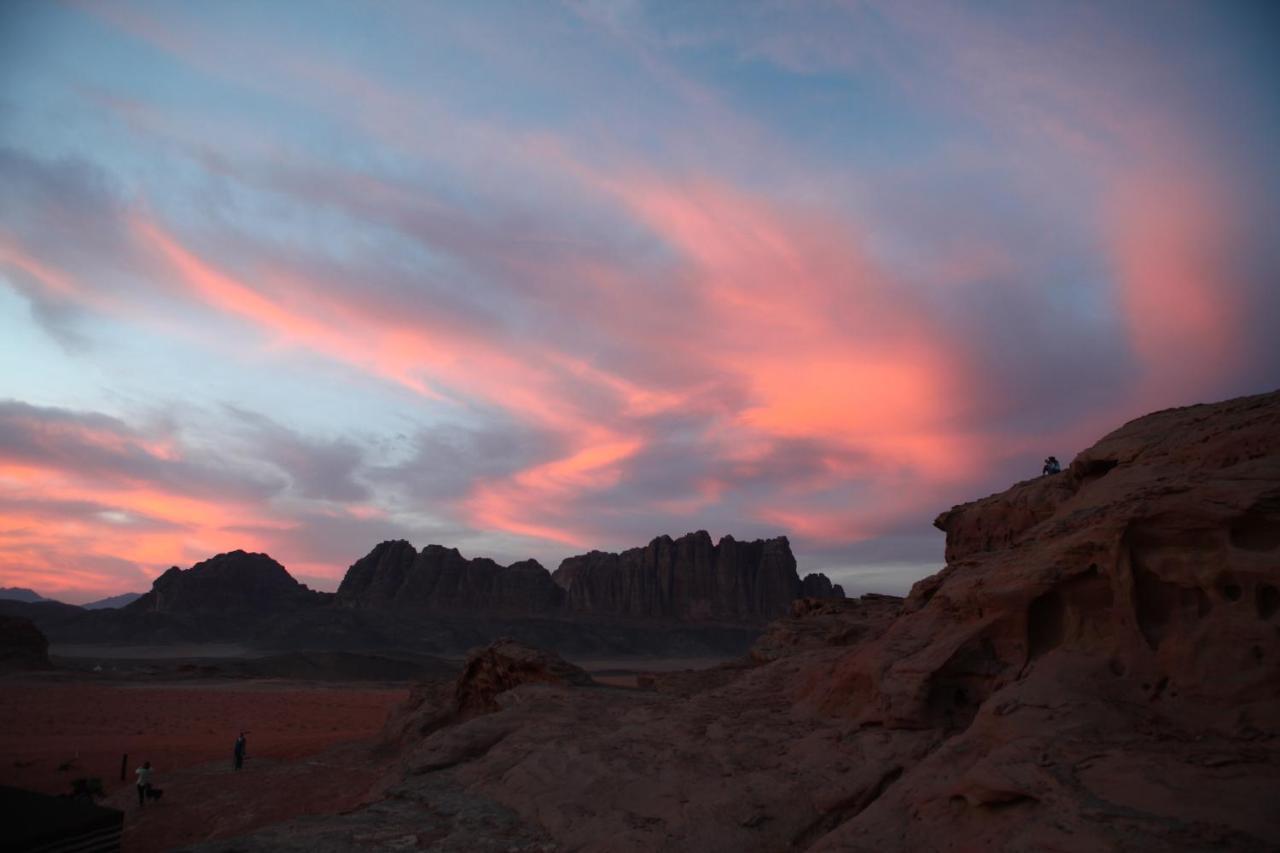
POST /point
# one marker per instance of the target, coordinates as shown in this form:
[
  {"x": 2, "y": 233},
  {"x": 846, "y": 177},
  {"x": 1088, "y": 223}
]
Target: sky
[{"x": 530, "y": 279}]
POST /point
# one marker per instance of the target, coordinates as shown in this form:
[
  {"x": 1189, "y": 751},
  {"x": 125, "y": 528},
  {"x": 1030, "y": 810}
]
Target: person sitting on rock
[
  {"x": 1051, "y": 466},
  {"x": 144, "y": 782}
]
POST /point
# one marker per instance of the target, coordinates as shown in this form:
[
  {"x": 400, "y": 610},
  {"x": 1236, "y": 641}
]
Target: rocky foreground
[{"x": 1096, "y": 668}]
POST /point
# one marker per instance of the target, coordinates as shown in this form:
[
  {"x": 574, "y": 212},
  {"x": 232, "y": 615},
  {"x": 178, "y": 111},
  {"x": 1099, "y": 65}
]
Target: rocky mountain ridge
[{"x": 437, "y": 601}]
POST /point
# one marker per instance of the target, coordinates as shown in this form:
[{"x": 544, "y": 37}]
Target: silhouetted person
[
  {"x": 239, "y": 752},
  {"x": 1051, "y": 466},
  {"x": 144, "y": 782}
]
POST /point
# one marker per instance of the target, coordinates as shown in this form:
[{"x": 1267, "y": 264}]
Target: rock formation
[
  {"x": 690, "y": 579},
  {"x": 442, "y": 580},
  {"x": 228, "y": 584},
  {"x": 488, "y": 672},
  {"x": 22, "y": 646},
  {"x": 816, "y": 623},
  {"x": 1096, "y": 668}
]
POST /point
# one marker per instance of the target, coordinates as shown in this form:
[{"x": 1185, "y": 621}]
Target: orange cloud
[{"x": 1170, "y": 234}]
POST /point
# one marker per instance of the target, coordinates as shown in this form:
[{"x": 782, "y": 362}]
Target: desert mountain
[
  {"x": 439, "y": 579},
  {"x": 689, "y": 579},
  {"x": 231, "y": 583},
  {"x": 674, "y": 597},
  {"x": 113, "y": 602},
  {"x": 20, "y": 593}
]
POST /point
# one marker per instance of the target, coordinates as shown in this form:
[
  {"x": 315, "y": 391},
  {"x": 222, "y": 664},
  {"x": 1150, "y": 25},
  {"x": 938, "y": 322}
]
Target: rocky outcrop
[
  {"x": 488, "y": 673},
  {"x": 816, "y": 623},
  {"x": 22, "y": 646},
  {"x": 689, "y": 579},
  {"x": 440, "y": 579},
  {"x": 231, "y": 583},
  {"x": 1096, "y": 668}
]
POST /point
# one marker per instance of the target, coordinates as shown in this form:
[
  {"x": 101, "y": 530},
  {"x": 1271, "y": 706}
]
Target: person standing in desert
[
  {"x": 238, "y": 753},
  {"x": 144, "y": 782}
]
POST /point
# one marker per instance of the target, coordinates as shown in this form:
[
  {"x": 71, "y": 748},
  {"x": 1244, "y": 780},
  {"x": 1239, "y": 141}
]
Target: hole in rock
[
  {"x": 1229, "y": 589},
  {"x": 1256, "y": 651},
  {"x": 1160, "y": 606},
  {"x": 1095, "y": 469},
  {"x": 963, "y": 683}
]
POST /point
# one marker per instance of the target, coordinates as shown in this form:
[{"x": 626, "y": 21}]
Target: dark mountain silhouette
[
  {"x": 113, "y": 602},
  {"x": 673, "y": 597},
  {"x": 233, "y": 583},
  {"x": 440, "y": 579},
  {"x": 690, "y": 579},
  {"x": 21, "y": 593}
]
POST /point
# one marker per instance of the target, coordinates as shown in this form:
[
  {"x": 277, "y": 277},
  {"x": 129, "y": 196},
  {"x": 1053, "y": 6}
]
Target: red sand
[{"x": 187, "y": 731}]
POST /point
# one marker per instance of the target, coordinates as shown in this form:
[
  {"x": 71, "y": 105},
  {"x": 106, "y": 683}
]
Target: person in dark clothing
[
  {"x": 1051, "y": 466},
  {"x": 239, "y": 752},
  {"x": 144, "y": 782}
]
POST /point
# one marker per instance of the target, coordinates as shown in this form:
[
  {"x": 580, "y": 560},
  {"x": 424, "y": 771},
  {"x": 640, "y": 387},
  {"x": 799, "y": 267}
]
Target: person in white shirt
[{"x": 144, "y": 782}]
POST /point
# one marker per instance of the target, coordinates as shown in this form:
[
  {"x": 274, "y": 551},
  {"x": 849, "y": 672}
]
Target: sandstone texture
[
  {"x": 22, "y": 646},
  {"x": 1096, "y": 668}
]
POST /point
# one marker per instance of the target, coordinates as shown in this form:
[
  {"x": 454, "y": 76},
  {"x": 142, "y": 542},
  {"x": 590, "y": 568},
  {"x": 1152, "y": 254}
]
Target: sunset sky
[{"x": 529, "y": 279}]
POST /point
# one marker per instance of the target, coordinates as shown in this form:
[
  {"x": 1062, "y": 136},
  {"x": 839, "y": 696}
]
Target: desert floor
[{"x": 57, "y": 728}]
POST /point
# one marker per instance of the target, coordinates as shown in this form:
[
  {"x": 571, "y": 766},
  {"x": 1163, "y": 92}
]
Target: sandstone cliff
[
  {"x": 440, "y": 579},
  {"x": 690, "y": 578}
]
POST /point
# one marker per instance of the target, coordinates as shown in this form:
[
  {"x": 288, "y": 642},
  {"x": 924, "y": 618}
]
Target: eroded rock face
[
  {"x": 231, "y": 583},
  {"x": 1097, "y": 668},
  {"x": 442, "y": 580},
  {"x": 22, "y": 646},
  {"x": 690, "y": 579}
]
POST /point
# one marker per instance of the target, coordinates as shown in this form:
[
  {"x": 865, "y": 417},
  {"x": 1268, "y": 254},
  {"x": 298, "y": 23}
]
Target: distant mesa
[
  {"x": 235, "y": 582},
  {"x": 21, "y": 593},
  {"x": 114, "y": 602}
]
